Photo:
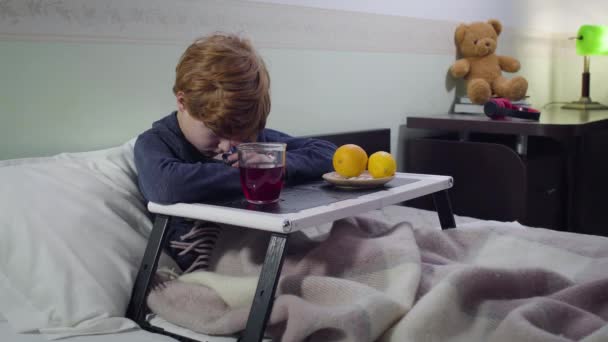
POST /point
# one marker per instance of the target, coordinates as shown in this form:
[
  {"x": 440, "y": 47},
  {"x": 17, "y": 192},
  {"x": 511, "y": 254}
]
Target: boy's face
[{"x": 201, "y": 137}]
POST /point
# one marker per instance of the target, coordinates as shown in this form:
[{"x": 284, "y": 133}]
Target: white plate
[{"x": 363, "y": 181}]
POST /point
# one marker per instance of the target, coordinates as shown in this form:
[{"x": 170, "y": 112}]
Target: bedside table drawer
[
  {"x": 545, "y": 195},
  {"x": 489, "y": 178}
]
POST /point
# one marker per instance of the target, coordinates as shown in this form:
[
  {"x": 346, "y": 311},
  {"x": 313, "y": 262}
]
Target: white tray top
[{"x": 405, "y": 186}]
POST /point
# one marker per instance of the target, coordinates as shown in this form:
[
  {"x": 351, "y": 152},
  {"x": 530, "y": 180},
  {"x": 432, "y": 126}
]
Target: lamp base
[{"x": 585, "y": 103}]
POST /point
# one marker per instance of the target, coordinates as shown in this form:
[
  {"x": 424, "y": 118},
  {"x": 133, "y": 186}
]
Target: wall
[
  {"x": 85, "y": 74},
  {"x": 540, "y": 15}
]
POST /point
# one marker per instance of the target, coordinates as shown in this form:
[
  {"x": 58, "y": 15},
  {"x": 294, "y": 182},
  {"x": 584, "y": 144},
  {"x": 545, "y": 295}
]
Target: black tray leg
[
  {"x": 137, "y": 305},
  {"x": 444, "y": 209},
  {"x": 264, "y": 293}
]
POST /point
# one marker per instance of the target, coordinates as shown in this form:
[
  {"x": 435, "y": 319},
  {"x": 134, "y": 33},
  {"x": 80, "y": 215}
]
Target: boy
[{"x": 222, "y": 92}]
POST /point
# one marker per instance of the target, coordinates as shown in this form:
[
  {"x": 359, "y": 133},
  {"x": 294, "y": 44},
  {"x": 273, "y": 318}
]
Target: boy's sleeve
[
  {"x": 306, "y": 158},
  {"x": 165, "y": 179}
]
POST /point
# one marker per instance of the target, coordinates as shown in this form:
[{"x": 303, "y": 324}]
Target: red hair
[{"x": 225, "y": 84}]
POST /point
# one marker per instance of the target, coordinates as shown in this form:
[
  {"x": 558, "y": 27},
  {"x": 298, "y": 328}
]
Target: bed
[
  {"x": 66, "y": 271},
  {"x": 7, "y": 334}
]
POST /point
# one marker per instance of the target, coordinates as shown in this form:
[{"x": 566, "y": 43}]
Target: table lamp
[{"x": 590, "y": 41}]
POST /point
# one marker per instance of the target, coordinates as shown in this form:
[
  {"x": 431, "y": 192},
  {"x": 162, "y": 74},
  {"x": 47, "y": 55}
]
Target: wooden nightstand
[{"x": 550, "y": 173}]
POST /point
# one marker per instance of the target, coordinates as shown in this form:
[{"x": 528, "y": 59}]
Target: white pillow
[{"x": 73, "y": 231}]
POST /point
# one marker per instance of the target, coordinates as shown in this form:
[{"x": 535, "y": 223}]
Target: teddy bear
[{"x": 481, "y": 67}]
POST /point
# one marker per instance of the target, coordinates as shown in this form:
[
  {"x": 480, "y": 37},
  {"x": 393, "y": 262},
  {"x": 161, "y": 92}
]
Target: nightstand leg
[
  {"x": 264, "y": 294},
  {"x": 444, "y": 209},
  {"x": 573, "y": 150},
  {"x": 137, "y": 306}
]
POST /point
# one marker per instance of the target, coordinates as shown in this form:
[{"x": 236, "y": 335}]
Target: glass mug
[{"x": 262, "y": 168}]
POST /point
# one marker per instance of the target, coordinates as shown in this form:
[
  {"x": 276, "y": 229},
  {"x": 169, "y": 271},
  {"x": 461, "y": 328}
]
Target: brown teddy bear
[{"x": 481, "y": 67}]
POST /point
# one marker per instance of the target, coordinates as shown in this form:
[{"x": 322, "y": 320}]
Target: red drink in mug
[{"x": 262, "y": 168}]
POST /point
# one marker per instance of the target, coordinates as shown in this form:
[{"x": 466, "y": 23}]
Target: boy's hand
[
  {"x": 255, "y": 159},
  {"x": 232, "y": 159}
]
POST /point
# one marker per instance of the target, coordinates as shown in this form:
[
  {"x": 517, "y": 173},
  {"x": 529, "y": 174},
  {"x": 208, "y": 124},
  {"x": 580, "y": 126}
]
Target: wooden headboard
[{"x": 370, "y": 140}]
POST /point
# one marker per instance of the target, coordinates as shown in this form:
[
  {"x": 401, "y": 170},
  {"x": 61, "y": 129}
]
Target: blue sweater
[{"x": 171, "y": 170}]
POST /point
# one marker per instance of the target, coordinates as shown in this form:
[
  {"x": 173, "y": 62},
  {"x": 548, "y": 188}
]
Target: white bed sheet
[{"x": 8, "y": 335}]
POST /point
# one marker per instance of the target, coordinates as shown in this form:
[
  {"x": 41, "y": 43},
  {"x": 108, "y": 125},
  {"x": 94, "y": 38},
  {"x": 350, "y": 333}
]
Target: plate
[{"x": 363, "y": 181}]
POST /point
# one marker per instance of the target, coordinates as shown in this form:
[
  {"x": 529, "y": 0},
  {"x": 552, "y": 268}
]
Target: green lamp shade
[{"x": 592, "y": 40}]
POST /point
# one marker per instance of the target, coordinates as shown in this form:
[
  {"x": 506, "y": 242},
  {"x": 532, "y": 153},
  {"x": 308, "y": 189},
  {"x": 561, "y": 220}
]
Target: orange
[
  {"x": 381, "y": 164},
  {"x": 350, "y": 160}
]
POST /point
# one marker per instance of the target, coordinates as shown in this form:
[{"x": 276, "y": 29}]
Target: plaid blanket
[{"x": 375, "y": 277}]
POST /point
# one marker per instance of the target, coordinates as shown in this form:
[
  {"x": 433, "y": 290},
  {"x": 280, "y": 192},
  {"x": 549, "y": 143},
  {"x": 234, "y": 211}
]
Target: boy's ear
[{"x": 181, "y": 101}]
